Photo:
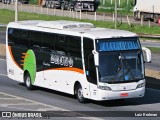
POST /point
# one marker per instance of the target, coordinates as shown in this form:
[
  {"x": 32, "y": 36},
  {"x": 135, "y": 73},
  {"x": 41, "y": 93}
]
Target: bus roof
[{"x": 72, "y": 28}]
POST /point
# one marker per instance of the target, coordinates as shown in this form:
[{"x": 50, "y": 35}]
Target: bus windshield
[{"x": 120, "y": 60}]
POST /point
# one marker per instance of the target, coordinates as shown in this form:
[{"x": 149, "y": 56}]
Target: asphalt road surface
[{"x": 14, "y": 96}]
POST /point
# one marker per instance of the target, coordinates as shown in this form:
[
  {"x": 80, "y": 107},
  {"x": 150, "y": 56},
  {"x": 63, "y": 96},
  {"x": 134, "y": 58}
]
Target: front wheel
[
  {"x": 136, "y": 15},
  {"x": 62, "y": 6},
  {"x": 27, "y": 81},
  {"x": 79, "y": 94},
  {"x": 156, "y": 18}
]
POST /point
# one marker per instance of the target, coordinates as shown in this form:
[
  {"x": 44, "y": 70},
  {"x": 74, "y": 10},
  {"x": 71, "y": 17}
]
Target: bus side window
[
  {"x": 48, "y": 42},
  {"x": 61, "y": 43},
  {"x": 24, "y": 38},
  {"x": 13, "y": 36},
  {"x": 35, "y": 40},
  {"x": 89, "y": 60},
  {"x": 74, "y": 48}
]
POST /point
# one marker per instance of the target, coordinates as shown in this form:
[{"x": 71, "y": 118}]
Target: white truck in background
[{"x": 148, "y": 9}]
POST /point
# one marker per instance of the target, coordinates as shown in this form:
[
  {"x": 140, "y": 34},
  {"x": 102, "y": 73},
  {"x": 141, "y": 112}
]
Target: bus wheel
[
  {"x": 136, "y": 15},
  {"x": 27, "y": 81},
  {"x": 62, "y": 6},
  {"x": 79, "y": 94},
  {"x": 156, "y": 18}
]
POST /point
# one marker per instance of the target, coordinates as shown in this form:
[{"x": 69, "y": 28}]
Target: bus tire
[
  {"x": 156, "y": 18},
  {"x": 79, "y": 94},
  {"x": 62, "y": 6},
  {"x": 27, "y": 81},
  {"x": 136, "y": 15},
  {"x": 52, "y": 5}
]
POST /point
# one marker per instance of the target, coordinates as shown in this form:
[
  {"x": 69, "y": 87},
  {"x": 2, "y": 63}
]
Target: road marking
[
  {"x": 39, "y": 103},
  {"x": 3, "y": 75},
  {"x": 2, "y": 59},
  {"x": 153, "y": 89},
  {"x": 19, "y": 108},
  {"x": 34, "y": 101}
]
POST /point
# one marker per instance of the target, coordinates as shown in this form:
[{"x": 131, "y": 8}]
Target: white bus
[{"x": 76, "y": 58}]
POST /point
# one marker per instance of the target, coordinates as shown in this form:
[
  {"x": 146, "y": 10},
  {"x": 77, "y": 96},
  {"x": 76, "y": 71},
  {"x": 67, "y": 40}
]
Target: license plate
[{"x": 123, "y": 94}]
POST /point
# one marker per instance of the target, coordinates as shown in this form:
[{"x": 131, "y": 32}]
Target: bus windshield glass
[{"x": 120, "y": 60}]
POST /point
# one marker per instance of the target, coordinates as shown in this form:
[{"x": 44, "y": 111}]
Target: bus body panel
[
  {"x": 13, "y": 70},
  {"x": 110, "y": 95}
]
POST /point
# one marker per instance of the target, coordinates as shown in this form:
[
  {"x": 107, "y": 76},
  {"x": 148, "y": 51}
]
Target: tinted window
[
  {"x": 24, "y": 38},
  {"x": 89, "y": 60},
  {"x": 35, "y": 40},
  {"x": 13, "y": 36},
  {"x": 48, "y": 42},
  {"x": 74, "y": 48},
  {"x": 88, "y": 46},
  {"x": 18, "y": 37},
  {"x": 61, "y": 43}
]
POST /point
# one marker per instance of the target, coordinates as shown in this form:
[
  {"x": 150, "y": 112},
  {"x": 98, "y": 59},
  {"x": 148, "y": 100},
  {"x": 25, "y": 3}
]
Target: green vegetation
[
  {"x": 8, "y": 16},
  {"x": 108, "y": 6},
  {"x": 120, "y": 3},
  {"x": 154, "y": 50}
]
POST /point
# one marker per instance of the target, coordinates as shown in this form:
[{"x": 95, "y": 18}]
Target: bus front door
[{"x": 92, "y": 77}]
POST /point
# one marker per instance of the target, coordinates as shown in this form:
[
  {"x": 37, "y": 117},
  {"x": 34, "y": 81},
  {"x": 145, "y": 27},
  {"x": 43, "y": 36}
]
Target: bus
[{"x": 76, "y": 58}]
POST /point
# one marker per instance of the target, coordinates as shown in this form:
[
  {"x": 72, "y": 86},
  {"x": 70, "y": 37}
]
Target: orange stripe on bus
[
  {"x": 69, "y": 69},
  {"x": 23, "y": 61},
  {"x": 25, "y": 54},
  {"x": 10, "y": 51}
]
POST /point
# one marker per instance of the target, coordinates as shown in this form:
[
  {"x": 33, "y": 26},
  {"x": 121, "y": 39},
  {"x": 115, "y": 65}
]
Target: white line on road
[
  {"x": 2, "y": 59},
  {"x": 153, "y": 89},
  {"x": 3, "y": 75},
  {"x": 34, "y": 101},
  {"x": 53, "y": 107}
]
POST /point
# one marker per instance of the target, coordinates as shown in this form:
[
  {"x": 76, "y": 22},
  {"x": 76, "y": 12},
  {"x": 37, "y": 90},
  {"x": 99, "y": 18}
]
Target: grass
[
  {"x": 154, "y": 50},
  {"x": 112, "y": 11},
  {"x": 8, "y": 16},
  {"x": 123, "y": 4}
]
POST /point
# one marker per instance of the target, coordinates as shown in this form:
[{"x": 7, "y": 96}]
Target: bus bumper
[{"x": 111, "y": 95}]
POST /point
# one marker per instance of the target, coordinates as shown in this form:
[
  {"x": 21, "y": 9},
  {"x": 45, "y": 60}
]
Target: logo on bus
[{"x": 61, "y": 59}]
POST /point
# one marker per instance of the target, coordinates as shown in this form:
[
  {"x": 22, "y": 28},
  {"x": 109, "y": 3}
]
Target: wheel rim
[
  {"x": 28, "y": 81},
  {"x": 80, "y": 93},
  {"x": 52, "y": 6},
  {"x": 49, "y": 5},
  {"x": 62, "y": 6},
  {"x": 135, "y": 15}
]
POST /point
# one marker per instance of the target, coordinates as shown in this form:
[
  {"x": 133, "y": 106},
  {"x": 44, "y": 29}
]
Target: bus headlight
[
  {"x": 141, "y": 85},
  {"x": 104, "y": 87}
]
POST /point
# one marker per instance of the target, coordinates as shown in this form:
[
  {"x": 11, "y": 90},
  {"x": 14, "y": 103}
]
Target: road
[{"x": 17, "y": 97}]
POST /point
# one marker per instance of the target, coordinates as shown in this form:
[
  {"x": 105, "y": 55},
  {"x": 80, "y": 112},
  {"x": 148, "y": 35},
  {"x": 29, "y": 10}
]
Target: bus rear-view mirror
[
  {"x": 146, "y": 54},
  {"x": 96, "y": 57}
]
